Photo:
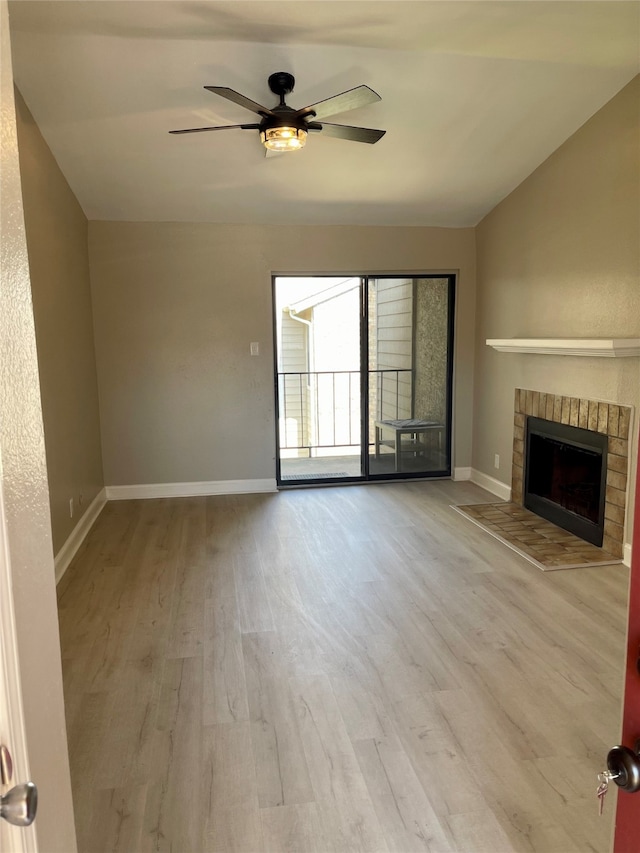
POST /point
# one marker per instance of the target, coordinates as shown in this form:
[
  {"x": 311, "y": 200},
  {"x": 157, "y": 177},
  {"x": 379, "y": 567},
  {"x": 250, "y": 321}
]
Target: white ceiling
[{"x": 475, "y": 95}]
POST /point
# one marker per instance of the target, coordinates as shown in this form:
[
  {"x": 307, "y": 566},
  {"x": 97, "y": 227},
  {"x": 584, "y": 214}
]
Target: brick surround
[{"x": 612, "y": 420}]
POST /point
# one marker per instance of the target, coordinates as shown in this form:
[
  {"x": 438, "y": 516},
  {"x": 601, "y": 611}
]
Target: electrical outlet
[
  {"x": 496, "y": 461},
  {"x": 70, "y": 507},
  {"x": 255, "y": 348}
]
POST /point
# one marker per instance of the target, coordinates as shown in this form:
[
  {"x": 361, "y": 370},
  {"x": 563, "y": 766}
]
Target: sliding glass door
[
  {"x": 409, "y": 373},
  {"x": 363, "y": 377},
  {"x": 319, "y": 385}
]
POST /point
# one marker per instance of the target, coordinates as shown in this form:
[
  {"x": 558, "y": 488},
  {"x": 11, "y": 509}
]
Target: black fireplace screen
[{"x": 565, "y": 477}]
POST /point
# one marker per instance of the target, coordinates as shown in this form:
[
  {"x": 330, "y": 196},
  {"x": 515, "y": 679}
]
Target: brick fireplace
[{"x": 605, "y": 418}]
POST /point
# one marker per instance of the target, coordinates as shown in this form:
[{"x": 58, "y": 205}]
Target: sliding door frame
[{"x": 366, "y": 475}]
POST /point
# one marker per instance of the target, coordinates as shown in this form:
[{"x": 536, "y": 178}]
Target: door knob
[
  {"x": 624, "y": 768},
  {"x": 18, "y": 806}
]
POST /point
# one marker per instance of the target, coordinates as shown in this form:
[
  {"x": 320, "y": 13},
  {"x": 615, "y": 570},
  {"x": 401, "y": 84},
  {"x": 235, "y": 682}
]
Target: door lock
[
  {"x": 19, "y": 805},
  {"x": 624, "y": 767}
]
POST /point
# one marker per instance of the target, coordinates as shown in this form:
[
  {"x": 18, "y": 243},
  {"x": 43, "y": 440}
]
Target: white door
[
  {"x": 32, "y": 723},
  {"x": 12, "y": 734}
]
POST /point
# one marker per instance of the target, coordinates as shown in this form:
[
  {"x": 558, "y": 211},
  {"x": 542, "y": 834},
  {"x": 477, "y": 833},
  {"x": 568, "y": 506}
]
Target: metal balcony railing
[{"x": 322, "y": 409}]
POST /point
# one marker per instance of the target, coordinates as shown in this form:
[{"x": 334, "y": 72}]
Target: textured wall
[
  {"x": 59, "y": 265},
  {"x": 26, "y": 506},
  {"x": 560, "y": 257},
  {"x": 175, "y": 307},
  {"x": 431, "y": 332}
]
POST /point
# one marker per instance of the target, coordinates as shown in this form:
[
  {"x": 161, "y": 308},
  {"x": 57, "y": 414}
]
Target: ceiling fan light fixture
[{"x": 283, "y": 138}]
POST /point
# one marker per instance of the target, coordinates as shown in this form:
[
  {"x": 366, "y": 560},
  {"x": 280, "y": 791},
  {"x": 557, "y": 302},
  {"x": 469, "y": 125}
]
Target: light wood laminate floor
[{"x": 341, "y": 669}]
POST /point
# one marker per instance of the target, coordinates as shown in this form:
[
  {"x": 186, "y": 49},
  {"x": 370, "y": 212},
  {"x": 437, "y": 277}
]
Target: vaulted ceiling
[{"x": 475, "y": 95}]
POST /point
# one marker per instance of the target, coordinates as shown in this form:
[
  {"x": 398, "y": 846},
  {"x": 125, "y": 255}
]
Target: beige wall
[
  {"x": 59, "y": 264},
  {"x": 559, "y": 257},
  {"x": 175, "y": 308}
]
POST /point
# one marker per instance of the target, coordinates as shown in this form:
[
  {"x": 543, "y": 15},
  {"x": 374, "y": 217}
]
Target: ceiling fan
[{"x": 283, "y": 128}]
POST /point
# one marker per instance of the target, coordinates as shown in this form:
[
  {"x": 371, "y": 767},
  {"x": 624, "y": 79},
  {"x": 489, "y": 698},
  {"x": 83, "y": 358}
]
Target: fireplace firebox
[{"x": 565, "y": 476}]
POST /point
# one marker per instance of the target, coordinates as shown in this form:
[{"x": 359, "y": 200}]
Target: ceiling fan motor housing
[
  {"x": 284, "y": 116},
  {"x": 281, "y": 83}
]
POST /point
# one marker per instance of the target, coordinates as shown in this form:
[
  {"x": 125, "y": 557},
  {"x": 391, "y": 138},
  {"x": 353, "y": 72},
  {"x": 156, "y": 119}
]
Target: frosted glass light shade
[{"x": 283, "y": 138}]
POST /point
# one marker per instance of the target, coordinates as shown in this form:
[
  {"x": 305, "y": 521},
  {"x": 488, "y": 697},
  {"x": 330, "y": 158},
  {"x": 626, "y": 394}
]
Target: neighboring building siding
[
  {"x": 394, "y": 303},
  {"x": 294, "y": 392}
]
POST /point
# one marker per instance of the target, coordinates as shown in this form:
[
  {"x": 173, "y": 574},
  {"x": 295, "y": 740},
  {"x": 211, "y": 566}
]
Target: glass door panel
[
  {"x": 317, "y": 326},
  {"x": 409, "y": 375}
]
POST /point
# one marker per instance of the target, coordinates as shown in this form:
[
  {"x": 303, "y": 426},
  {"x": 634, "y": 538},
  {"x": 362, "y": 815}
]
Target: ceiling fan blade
[
  {"x": 349, "y": 100},
  {"x": 241, "y": 100},
  {"x": 219, "y": 127},
  {"x": 353, "y": 134}
]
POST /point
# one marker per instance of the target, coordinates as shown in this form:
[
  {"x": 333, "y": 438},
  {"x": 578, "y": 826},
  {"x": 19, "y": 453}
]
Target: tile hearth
[{"x": 539, "y": 541}]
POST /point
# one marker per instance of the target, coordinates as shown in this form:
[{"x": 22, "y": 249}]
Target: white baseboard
[
  {"x": 460, "y": 474},
  {"x": 626, "y": 554},
  {"x": 189, "y": 490},
  {"x": 500, "y": 490},
  {"x": 78, "y": 534}
]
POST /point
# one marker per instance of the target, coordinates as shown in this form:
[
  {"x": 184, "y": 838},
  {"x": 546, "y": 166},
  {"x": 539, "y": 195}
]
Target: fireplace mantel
[{"x": 602, "y": 347}]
